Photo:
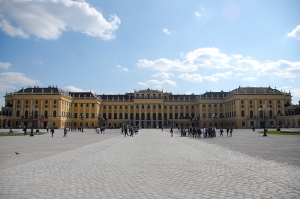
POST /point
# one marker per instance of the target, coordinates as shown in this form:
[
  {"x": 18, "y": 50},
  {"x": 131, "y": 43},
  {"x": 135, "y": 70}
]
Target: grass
[
  {"x": 20, "y": 133},
  {"x": 279, "y": 133}
]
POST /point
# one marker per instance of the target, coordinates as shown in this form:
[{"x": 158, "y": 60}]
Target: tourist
[
  {"x": 230, "y": 132},
  {"x": 65, "y": 132},
  {"x": 52, "y": 131},
  {"x": 221, "y": 132},
  {"x": 171, "y": 131}
]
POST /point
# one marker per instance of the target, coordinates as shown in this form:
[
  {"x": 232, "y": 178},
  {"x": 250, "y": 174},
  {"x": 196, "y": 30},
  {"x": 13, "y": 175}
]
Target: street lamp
[
  {"x": 263, "y": 109},
  {"x": 32, "y": 109},
  {"x": 215, "y": 116},
  {"x": 82, "y": 117},
  {"x": 101, "y": 121}
]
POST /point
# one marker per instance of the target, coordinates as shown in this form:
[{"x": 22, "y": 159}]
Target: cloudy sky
[{"x": 180, "y": 46}]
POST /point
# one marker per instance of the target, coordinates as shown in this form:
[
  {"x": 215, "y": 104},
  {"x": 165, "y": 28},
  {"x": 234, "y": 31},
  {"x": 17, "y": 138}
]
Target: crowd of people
[{"x": 205, "y": 132}]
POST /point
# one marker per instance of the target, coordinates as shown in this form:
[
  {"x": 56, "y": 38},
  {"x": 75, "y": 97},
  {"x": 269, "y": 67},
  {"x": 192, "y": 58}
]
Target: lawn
[
  {"x": 280, "y": 133},
  {"x": 20, "y": 133}
]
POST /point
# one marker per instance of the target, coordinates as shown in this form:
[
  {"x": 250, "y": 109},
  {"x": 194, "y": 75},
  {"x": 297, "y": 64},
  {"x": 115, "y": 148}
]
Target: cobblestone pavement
[{"x": 149, "y": 165}]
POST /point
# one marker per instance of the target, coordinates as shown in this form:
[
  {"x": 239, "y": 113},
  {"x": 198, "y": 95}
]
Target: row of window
[{"x": 260, "y": 101}]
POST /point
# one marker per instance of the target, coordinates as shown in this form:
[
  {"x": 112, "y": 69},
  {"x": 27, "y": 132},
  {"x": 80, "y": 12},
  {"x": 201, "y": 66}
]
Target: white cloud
[
  {"x": 191, "y": 77},
  {"x": 250, "y": 79},
  {"x": 143, "y": 84},
  {"x": 197, "y": 14},
  {"x": 225, "y": 75},
  {"x": 165, "y": 30},
  {"x": 163, "y": 75},
  {"x": 209, "y": 57},
  {"x": 167, "y": 65},
  {"x": 295, "y": 33},
  {"x": 74, "y": 89},
  {"x": 212, "y": 58},
  {"x": 295, "y": 92},
  {"x": 6, "y": 83},
  {"x": 197, "y": 78},
  {"x": 210, "y": 78},
  {"x": 158, "y": 84},
  {"x": 122, "y": 69},
  {"x": 5, "y": 65},
  {"x": 237, "y": 56},
  {"x": 48, "y": 19}
]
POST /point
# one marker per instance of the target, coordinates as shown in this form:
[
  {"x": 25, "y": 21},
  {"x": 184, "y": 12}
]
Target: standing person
[
  {"x": 65, "y": 132},
  {"x": 227, "y": 130},
  {"x": 178, "y": 129},
  {"x": 125, "y": 132},
  {"x": 131, "y": 131},
  {"x": 221, "y": 132},
  {"x": 47, "y": 129},
  {"x": 230, "y": 132},
  {"x": 171, "y": 131},
  {"x": 162, "y": 128},
  {"x": 215, "y": 131},
  {"x": 52, "y": 131}
]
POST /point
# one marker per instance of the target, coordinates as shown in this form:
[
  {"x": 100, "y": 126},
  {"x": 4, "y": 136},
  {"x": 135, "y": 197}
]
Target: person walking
[
  {"x": 125, "y": 132},
  {"x": 52, "y": 131},
  {"x": 227, "y": 130},
  {"x": 230, "y": 132},
  {"x": 221, "y": 132},
  {"x": 25, "y": 130},
  {"x": 65, "y": 132},
  {"x": 131, "y": 131},
  {"x": 171, "y": 131}
]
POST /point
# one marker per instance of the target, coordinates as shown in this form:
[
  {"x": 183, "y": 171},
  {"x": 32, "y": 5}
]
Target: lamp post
[
  {"x": 215, "y": 116},
  {"x": 82, "y": 117},
  {"x": 32, "y": 109},
  {"x": 101, "y": 121},
  {"x": 263, "y": 109}
]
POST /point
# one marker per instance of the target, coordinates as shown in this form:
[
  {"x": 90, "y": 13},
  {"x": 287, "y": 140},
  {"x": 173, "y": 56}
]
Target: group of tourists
[
  {"x": 205, "y": 132},
  {"x": 129, "y": 129},
  {"x": 100, "y": 130}
]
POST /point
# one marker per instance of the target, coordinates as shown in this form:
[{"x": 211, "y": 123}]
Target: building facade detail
[{"x": 238, "y": 108}]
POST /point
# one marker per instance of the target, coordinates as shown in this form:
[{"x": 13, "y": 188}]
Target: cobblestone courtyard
[{"x": 149, "y": 165}]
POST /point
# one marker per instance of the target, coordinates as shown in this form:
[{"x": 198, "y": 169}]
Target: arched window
[
  {"x": 159, "y": 115},
  {"x": 271, "y": 114},
  {"x": 154, "y": 116},
  {"x": 148, "y": 116},
  {"x": 46, "y": 114},
  {"x": 26, "y": 113},
  {"x": 171, "y": 116},
  {"x": 104, "y": 115},
  {"x": 176, "y": 115},
  {"x": 109, "y": 115},
  {"x": 18, "y": 113},
  {"x": 242, "y": 113},
  {"x": 126, "y": 115},
  {"x": 137, "y": 116},
  {"x": 143, "y": 116},
  {"x": 115, "y": 116},
  {"x": 251, "y": 113},
  {"x": 54, "y": 115}
]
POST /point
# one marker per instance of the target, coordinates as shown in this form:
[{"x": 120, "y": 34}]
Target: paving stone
[{"x": 148, "y": 165}]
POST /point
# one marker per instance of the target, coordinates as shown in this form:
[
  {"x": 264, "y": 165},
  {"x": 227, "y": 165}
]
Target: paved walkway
[{"x": 150, "y": 165}]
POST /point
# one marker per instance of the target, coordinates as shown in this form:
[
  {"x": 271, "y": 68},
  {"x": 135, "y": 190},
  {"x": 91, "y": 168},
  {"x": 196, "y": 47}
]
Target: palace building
[{"x": 243, "y": 107}]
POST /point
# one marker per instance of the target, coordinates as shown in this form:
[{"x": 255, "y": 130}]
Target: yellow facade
[{"x": 148, "y": 108}]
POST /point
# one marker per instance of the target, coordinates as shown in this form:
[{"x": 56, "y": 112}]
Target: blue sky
[{"x": 180, "y": 46}]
